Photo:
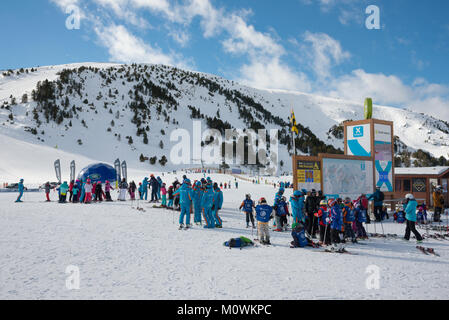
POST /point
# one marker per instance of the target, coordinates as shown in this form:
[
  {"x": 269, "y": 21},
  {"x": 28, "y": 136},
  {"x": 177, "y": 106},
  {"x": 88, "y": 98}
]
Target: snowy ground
[{"x": 125, "y": 254}]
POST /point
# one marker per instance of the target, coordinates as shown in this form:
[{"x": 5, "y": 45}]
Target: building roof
[{"x": 434, "y": 171}]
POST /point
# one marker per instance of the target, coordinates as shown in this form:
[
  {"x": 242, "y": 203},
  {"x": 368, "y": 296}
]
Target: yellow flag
[{"x": 293, "y": 121}]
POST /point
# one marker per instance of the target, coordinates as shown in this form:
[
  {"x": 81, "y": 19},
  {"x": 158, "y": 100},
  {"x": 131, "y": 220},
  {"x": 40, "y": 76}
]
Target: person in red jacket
[
  {"x": 72, "y": 183},
  {"x": 323, "y": 222}
]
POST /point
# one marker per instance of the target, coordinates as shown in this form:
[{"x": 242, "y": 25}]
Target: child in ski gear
[
  {"x": 218, "y": 203},
  {"x": 47, "y": 191},
  {"x": 336, "y": 224},
  {"x": 107, "y": 190},
  {"x": 99, "y": 191},
  {"x": 164, "y": 196},
  {"x": 438, "y": 203},
  {"x": 132, "y": 190},
  {"x": 20, "y": 189},
  {"x": 360, "y": 218},
  {"x": 322, "y": 215},
  {"x": 63, "y": 189},
  {"x": 170, "y": 198},
  {"x": 72, "y": 183},
  {"x": 422, "y": 214},
  {"x": 411, "y": 218},
  {"x": 88, "y": 192},
  {"x": 83, "y": 191},
  {"x": 123, "y": 186},
  {"x": 207, "y": 202},
  {"x": 185, "y": 200},
  {"x": 348, "y": 220},
  {"x": 76, "y": 191},
  {"x": 281, "y": 212},
  {"x": 176, "y": 199},
  {"x": 263, "y": 216},
  {"x": 299, "y": 236},
  {"x": 247, "y": 206},
  {"x": 94, "y": 191},
  {"x": 197, "y": 194},
  {"x": 378, "y": 197}
]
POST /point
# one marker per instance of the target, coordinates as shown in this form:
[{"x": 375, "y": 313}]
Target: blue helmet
[
  {"x": 297, "y": 193},
  {"x": 198, "y": 184},
  {"x": 21, "y": 180}
]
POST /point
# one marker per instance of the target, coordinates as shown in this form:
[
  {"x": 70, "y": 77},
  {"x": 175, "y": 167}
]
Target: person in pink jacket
[
  {"x": 108, "y": 189},
  {"x": 88, "y": 189},
  {"x": 164, "y": 195}
]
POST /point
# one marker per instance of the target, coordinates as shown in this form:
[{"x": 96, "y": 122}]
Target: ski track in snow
[{"x": 123, "y": 253}]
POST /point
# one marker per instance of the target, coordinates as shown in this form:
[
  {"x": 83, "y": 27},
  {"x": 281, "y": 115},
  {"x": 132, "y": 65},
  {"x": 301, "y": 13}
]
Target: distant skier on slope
[{"x": 20, "y": 189}]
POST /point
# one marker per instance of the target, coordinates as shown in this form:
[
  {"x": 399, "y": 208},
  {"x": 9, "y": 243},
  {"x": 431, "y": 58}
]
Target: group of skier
[{"x": 88, "y": 191}]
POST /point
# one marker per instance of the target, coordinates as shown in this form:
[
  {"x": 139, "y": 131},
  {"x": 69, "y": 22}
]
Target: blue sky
[{"x": 316, "y": 46}]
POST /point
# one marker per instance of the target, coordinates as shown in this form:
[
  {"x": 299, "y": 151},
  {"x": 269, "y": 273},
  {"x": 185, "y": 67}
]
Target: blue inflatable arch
[{"x": 98, "y": 172}]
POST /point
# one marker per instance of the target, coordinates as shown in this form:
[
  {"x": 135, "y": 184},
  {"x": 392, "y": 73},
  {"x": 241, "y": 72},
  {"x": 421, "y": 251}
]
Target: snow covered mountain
[{"x": 105, "y": 111}]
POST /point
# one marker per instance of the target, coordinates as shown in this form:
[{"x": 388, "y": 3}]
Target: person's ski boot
[
  {"x": 181, "y": 226},
  {"x": 247, "y": 226}
]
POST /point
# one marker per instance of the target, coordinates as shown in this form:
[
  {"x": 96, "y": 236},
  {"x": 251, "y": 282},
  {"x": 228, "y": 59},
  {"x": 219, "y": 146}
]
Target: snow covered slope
[
  {"x": 104, "y": 111},
  {"x": 123, "y": 253}
]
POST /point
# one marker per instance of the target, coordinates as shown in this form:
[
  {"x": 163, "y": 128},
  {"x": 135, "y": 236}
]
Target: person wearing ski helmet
[
  {"x": 185, "y": 200},
  {"x": 218, "y": 203},
  {"x": 410, "y": 215},
  {"x": 248, "y": 206},
  {"x": 297, "y": 203},
  {"x": 88, "y": 191},
  {"x": 360, "y": 218},
  {"x": 281, "y": 213},
  {"x": 20, "y": 189},
  {"x": 47, "y": 190},
  {"x": 207, "y": 202},
  {"x": 348, "y": 220},
  {"x": 336, "y": 224},
  {"x": 107, "y": 190},
  {"x": 159, "y": 186},
  {"x": 264, "y": 213},
  {"x": 322, "y": 215}
]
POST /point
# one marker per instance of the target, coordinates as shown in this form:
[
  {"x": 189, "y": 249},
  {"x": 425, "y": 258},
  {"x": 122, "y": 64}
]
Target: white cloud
[
  {"x": 123, "y": 46},
  {"x": 274, "y": 75},
  {"x": 323, "y": 52},
  {"x": 420, "y": 96}
]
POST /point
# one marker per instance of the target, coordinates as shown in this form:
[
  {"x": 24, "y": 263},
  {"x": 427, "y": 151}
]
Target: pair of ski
[
  {"x": 182, "y": 227},
  {"x": 341, "y": 251},
  {"x": 427, "y": 251}
]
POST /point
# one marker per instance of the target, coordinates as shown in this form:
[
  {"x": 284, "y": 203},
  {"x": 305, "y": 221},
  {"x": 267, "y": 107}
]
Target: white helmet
[{"x": 409, "y": 196}]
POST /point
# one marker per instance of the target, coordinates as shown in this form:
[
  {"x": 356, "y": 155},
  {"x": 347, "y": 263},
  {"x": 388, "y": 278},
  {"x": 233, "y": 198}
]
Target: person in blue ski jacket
[
  {"x": 207, "y": 202},
  {"x": 20, "y": 189},
  {"x": 185, "y": 200},
  {"x": 63, "y": 189},
  {"x": 159, "y": 181},
  {"x": 360, "y": 219},
  {"x": 248, "y": 206},
  {"x": 336, "y": 224},
  {"x": 348, "y": 220},
  {"x": 297, "y": 203},
  {"x": 299, "y": 236},
  {"x": 264, "y": 213},
  {"x": 83, "y": 192},
  {"x": 281, "y": 213},
  {"x": 410, "y": 215},
  {"x": 144, "y": 189},
  {"x": 197, "y": 193},
  {"x": 218, "y": 203}
]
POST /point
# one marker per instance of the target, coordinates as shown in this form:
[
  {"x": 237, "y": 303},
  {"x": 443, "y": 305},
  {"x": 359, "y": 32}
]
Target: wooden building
[{"x": 421, "y": 182}]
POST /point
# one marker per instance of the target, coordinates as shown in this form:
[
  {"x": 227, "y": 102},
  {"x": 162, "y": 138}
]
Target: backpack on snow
[{"x": 238, "y": 243}]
